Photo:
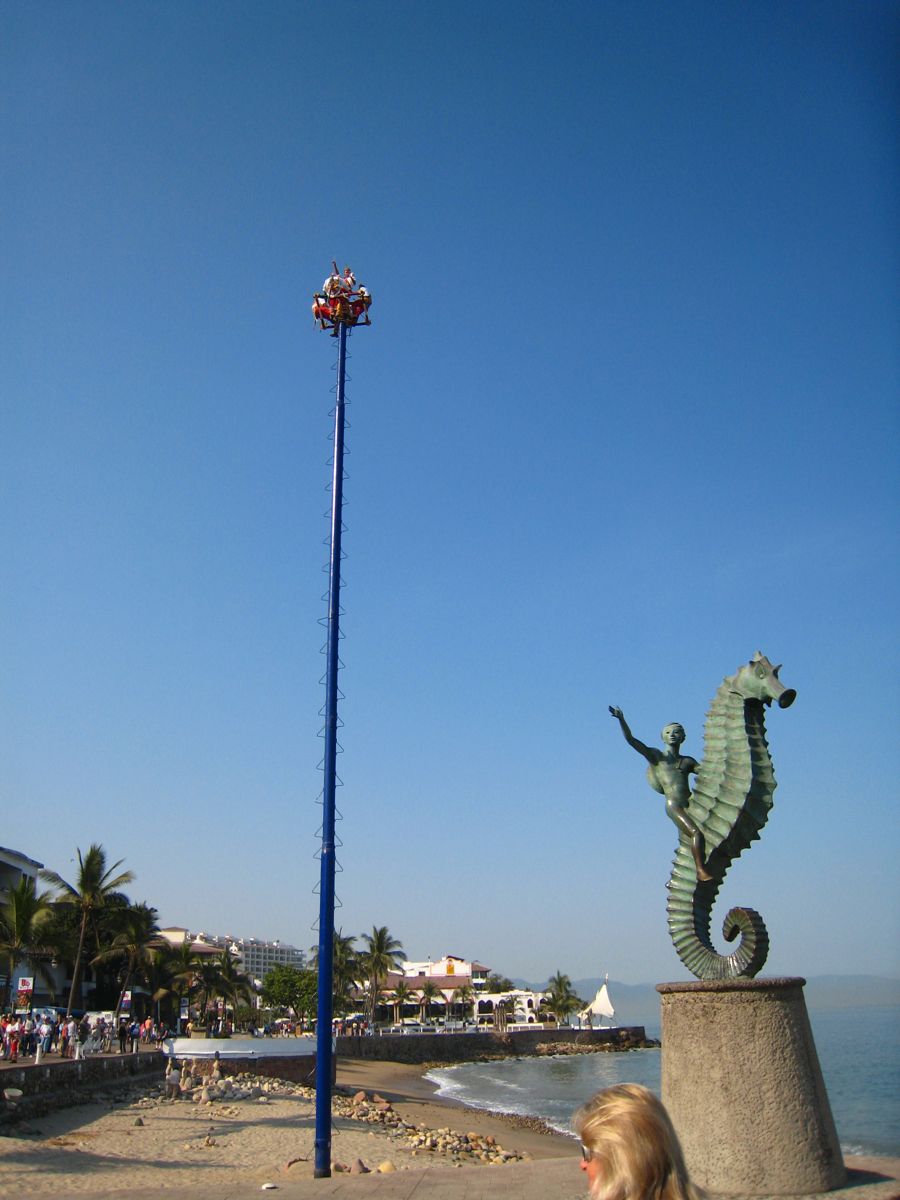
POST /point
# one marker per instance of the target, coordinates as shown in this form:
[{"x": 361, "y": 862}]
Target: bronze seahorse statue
[{"x": 729, "y": 806}]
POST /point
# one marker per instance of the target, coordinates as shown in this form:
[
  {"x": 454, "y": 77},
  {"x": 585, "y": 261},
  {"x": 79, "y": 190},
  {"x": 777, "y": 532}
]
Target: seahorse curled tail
[{"x": 730, "y": 805}]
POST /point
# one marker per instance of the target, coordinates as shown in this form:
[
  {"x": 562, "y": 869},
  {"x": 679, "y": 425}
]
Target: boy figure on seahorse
[
  {"x": 668, "y": 774},
  {"x": 718, "y": 816}
]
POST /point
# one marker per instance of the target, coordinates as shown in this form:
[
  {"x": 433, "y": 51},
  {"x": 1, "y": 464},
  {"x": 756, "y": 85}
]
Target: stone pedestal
[{"x": 742, "y": 1083}]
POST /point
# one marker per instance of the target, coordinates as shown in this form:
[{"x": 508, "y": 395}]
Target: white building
[
  {"x": 15, "y": 866},
  {"x": 258, "y": 957},
  {"x": 451, "y": 973},
  {"x": 451, "y": 970},
  {"x": 255, "y": 956}
]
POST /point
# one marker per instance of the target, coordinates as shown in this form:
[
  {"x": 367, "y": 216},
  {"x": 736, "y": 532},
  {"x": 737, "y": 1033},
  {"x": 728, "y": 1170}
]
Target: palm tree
[
  {"x": 383, "y": 953},
  {"x": 220, "y": 976},
  {"x": 158, "y": 978},
  {"x": 345, "y": 970},
  {"x": 402, "y": 994},
  {"x": 134, "y": 943},
  {"x": 428, "y": 993},
  {"x": 463, "y": 995},
  {"x": 175, "y": 970},
  {"x": 95, "y": 886},
  {"x": 234, "y": 984},
  {"x": 207, "y": 981},
  {"x": 561, "y": 996},
  {"x": 23, "y": 914}
]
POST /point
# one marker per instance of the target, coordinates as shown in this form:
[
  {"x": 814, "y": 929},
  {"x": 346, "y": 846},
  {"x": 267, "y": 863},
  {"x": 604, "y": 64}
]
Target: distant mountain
[{"x": 638, "y": 1003}]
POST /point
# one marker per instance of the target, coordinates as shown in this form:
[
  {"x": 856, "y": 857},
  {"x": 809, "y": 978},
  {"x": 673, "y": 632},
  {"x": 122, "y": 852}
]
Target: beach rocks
[
  {"x": 624, "y": 1042},
  {"x": 458, "y": 1147},
  {"x": 371, "y": 1112}
]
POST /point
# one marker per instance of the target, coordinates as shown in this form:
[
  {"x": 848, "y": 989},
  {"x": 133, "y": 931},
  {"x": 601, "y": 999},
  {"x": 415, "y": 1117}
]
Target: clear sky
[{"x": 627, "y": 413}]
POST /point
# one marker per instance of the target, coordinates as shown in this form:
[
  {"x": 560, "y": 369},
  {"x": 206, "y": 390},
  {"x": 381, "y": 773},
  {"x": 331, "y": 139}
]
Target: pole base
[{"x": 742, "y": 1084}]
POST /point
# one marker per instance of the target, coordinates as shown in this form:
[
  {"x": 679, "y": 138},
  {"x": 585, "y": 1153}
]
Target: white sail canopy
[{"x": 600, "y": 1006}]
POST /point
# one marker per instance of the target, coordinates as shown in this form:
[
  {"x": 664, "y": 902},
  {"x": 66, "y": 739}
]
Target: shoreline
[{"x": 416, "y": 1100}]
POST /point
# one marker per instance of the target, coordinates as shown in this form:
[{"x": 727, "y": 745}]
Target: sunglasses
[{"x": 586, "y": 1154}]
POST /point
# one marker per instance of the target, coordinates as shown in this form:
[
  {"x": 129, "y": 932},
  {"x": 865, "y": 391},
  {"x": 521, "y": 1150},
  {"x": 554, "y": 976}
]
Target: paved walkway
[
  {"x": 550, "y": 1179},
  {"x": 53, "y": 1058}
]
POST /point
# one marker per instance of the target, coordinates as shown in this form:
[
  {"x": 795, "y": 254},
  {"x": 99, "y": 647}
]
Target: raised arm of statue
[
  {"x": 651, "y": 755},
  {"x": 669, "y": 774}
]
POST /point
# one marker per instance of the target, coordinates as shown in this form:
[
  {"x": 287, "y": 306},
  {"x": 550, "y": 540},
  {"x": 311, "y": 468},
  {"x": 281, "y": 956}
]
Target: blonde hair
[{"x": 631, "y": 1136}]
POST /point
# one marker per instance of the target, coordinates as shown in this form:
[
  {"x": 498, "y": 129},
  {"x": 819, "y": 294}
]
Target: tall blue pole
[{"x": 324, "y": 1055}]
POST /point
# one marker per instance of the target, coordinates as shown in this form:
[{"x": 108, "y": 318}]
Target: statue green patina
[
  {"x": 668, "y": 774},
  {"x": 729, "y": 805}
]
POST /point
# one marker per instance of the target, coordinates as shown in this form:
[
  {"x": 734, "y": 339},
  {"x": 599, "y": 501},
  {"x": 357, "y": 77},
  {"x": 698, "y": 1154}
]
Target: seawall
[
  {"x": 51, "y": 1085},
  {"x": 471, "y": 1047}
]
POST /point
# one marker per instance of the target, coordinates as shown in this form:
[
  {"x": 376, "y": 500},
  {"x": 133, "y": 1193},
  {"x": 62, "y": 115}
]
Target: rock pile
[
  {"x": 460, "y": 1148},
  {"x": 623, "y": 1043}
]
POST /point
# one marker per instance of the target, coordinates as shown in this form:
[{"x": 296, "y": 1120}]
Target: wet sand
[{"x": 414, "y": 1097}]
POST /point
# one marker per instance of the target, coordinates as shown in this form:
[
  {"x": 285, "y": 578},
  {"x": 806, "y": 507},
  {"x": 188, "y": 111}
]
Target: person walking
[
  {"x": 173, "y": 1080},
  {"x": 13, "y": 1034},
  {"x": 82, "y": 1033},
  {"x": 45, "y": 1039}
]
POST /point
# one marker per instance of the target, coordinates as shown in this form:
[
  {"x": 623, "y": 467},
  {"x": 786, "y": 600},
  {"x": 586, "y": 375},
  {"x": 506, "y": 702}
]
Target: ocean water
[{"x": 859, "y": 1051}]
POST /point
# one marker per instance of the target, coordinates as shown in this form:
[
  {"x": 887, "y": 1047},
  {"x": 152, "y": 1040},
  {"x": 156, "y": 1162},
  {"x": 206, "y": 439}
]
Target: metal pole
[{"x": 324, "y": 1055}]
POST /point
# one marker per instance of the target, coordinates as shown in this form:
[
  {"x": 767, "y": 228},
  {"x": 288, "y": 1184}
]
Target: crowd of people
[{"x": 35, "y": 1035}]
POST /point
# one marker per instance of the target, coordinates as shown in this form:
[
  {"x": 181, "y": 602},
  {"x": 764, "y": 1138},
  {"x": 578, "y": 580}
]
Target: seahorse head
[{"x": 758, "y": 680}]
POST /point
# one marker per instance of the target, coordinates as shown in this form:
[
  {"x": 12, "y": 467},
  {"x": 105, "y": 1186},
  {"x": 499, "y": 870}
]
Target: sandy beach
[{"x": 144, "y": 1142}]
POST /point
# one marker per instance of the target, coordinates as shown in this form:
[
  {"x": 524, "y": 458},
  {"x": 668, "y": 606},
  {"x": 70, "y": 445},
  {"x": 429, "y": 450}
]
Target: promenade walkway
[
  {"x": 52, "y": 1058},
  {"x": 551, "y": 1179}
]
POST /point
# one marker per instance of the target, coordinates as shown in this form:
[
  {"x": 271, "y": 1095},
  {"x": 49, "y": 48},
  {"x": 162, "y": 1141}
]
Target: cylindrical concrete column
[{"x": 742, "y": 1083}]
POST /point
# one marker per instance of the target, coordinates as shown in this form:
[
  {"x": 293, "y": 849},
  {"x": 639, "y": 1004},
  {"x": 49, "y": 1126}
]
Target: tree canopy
[{"x": 291, "y": 988}]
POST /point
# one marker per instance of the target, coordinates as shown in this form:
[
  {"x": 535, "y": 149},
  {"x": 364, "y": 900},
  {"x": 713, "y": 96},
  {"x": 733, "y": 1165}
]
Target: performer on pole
[{"x": 341, "y": 302}]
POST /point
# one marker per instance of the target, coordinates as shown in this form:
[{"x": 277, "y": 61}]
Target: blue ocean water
[{"x": 859, "y": 1051}]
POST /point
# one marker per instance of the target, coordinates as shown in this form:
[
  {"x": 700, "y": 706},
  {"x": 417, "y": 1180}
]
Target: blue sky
[{"x": 627, "y": 413}]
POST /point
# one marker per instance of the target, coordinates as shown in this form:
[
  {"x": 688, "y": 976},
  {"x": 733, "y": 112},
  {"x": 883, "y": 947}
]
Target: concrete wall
[
  {"x": 55, "y": 1085},
  {"x": 298, "y": 1069},
  {"x": 470, "y": 1047}
]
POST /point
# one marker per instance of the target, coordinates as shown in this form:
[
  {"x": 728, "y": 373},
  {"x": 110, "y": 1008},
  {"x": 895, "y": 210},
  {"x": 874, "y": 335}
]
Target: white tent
[{"x": 600, "y": 1006}]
